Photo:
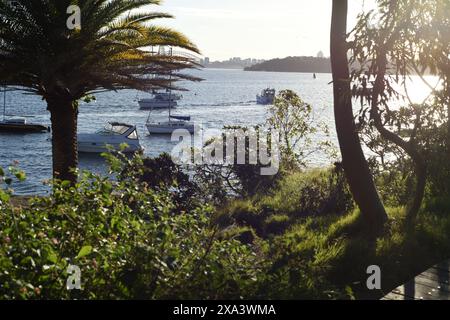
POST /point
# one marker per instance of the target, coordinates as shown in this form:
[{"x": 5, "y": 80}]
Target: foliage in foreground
[
  {"x": 127, "y": 239},
  {"x": 135, "y": 242}
]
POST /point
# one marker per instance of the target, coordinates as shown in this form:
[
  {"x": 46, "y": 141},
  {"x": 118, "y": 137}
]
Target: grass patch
[{"x": 331, "y": 254}]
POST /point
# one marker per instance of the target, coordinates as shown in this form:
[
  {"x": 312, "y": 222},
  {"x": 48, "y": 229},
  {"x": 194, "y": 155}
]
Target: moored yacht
[
  {"x": 160, "y": 100},
  {"x": 166, "y": 100},
  {"x": 168, "y": 127},
  {"x": 114, "y": 134}
]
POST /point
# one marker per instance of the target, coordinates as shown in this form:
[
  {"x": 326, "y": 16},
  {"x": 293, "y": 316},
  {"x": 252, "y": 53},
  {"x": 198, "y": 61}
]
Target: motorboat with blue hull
[
  {"x": 113, "y": 136},
  {"x": 266, "y": 97}
]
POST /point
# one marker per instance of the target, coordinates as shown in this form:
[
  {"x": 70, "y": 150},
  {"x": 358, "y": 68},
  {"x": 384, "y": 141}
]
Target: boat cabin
[{"x": 121, "y": 129}]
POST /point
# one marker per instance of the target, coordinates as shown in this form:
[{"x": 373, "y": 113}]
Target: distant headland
[{"x": 294, "y": 64}]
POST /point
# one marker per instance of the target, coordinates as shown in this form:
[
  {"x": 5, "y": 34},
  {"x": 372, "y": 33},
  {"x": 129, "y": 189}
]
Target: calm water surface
[{"x": 225, "y": 97}]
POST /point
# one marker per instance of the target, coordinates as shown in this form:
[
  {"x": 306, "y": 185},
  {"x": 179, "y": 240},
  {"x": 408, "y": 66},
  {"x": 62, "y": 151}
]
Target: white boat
[
  {"x": 267, "y": 96},
  {"x": 160, "y": 100},
  {"x": 114, "y": 135},
  {"x": 168, "y": 127}
]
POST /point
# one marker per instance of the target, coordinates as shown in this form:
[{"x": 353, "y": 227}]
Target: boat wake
[{"x": 222, "y": 104}]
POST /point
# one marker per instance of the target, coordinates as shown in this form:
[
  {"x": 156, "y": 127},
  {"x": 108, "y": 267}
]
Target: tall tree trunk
[
  {"x": 355, "y": 165},
  {"x": 419, "y": 193},
  {"x": 448, "y": 112},
  {"x": 64, "y": 116}
]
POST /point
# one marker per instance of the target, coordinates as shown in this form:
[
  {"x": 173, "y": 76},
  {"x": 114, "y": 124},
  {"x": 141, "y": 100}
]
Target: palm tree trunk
[
  {"x": 64, "y": 116},
  {"x": 355, "y": 165}
]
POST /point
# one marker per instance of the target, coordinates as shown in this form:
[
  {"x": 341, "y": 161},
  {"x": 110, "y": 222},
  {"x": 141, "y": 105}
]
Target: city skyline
[
  {"x": 319, "y": 54},
  {"x": 261, "y": 29}
]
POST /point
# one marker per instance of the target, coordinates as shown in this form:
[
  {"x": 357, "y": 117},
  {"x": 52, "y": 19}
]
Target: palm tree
[
  {"x": 40, "y": 54},
  {"x": 355, "y": 165}
]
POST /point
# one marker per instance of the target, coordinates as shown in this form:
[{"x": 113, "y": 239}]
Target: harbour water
[{"x": 225, "y": 97}]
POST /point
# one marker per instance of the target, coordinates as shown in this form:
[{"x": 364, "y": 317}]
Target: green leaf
[
  {"x": 4, "y": 197},
  {"x": 20, "y": 175},
  {"x": 123, "y": 146},
  {"x": 88, "y": 98},
  {"x": 86, "y": 250},
  {"x": 65, "y": 184},
  {"x": 51, "y": 256}
]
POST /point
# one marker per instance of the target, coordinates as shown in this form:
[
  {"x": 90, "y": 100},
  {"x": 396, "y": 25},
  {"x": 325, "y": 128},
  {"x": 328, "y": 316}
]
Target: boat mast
[
  {"x": 170, "y": 89},
  {"x": 4, "y": 102}
]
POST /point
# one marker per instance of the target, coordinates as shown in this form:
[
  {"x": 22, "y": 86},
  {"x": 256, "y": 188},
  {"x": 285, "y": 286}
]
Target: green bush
[
  {"x": 128, "y": 240},
  {"x": 132, "y": 240},
  {"x": 311, "y": 193},
  {"x": 162, "y": 174}
]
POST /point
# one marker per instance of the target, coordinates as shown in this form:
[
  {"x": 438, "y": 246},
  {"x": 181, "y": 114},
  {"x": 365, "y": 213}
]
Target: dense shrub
[
  {"x": 222, "y": 180},
  {"x": 162, "y": 174},
  {"x": 129, "y": 241},
  {"x": 132, "y": 241},
  {"x": 315, "y": 192}
]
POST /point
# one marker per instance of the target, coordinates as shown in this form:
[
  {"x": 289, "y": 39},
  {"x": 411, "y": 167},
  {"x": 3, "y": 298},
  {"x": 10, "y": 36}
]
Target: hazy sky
[{"x": 256, "y": 28}]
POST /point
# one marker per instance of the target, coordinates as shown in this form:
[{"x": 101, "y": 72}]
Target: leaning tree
[{"x": 356, "y": 168}]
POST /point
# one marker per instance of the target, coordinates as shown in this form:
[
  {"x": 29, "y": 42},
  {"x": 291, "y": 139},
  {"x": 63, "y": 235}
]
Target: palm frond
[{"x": 38, "y": 51}]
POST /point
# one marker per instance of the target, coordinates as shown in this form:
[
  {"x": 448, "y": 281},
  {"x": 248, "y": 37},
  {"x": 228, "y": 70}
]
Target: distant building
[
  {"x": 320, "y": 55},
  {"x": 232, "y": 63}
]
